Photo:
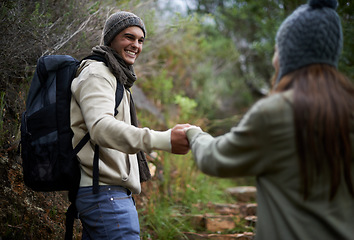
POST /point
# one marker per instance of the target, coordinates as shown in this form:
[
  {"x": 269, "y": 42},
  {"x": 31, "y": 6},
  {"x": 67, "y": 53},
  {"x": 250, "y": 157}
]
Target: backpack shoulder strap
[
  {"x": 96, "y": 58},
  {"x": 119, "y": 96}
]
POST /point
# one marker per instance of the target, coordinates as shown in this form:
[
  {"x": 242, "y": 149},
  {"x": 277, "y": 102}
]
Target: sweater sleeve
[
  {"x": 94, "y": 91},
  {"x": 234, "y": 154}
]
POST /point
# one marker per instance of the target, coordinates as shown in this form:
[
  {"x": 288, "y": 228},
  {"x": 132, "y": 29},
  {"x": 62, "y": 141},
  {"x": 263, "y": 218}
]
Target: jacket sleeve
[
  {"x": 236, "y": 153},
  {"x": 94, "y": 91}
]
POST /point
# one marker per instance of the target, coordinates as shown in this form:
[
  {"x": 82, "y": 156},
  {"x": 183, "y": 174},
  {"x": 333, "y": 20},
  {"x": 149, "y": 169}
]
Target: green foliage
[
  {"x": 160, "y": 87},
  {"x": 160, "y": 223},
  {"x": 218, "y": 80},
  {"x": 251, "y": 25},
  {"x": 94, "y": 7},
  {"x": 187, "y": 107},
  {"x": 238, "y": 40},
  {"x": 201, "y": 62},
  {"x": 182, "y": 190},
  {"x": 39, "y": 18},
  {"x": 53, "y": 212}
]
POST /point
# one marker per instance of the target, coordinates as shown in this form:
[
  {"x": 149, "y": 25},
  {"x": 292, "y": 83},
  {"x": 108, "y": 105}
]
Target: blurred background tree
[{"x": 251, "y": 26}]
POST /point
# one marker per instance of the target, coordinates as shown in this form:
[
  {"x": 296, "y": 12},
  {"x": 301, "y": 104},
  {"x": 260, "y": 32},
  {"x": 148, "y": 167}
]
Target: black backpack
[{"x": 48, "y": 158}]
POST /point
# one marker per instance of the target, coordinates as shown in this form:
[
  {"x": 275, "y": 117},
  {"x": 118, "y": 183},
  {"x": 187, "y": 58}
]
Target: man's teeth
[{"x": 129, "y": 52}]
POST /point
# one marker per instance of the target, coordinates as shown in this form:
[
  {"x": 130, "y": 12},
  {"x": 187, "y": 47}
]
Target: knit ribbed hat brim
[{"x": 119, "y": 21}]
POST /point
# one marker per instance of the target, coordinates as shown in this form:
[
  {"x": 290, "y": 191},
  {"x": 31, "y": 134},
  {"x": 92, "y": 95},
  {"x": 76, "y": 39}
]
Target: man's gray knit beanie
[
  {"x": 311, "y": 34},
  {"x": 119, "y": 21}
]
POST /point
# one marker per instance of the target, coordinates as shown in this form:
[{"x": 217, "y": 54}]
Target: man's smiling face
[{"x": 129, "y": 44}]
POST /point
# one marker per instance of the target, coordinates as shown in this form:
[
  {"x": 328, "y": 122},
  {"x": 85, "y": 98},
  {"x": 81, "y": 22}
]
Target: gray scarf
[{"x": 125, "y": 75}]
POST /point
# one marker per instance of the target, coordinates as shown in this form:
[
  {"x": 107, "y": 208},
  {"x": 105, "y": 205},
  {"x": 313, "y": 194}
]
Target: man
[{"x": 111, "y": 213}]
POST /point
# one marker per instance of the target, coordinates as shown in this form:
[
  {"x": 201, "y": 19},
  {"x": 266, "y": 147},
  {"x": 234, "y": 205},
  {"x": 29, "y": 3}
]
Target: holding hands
[{"x": 179, "y": 140}]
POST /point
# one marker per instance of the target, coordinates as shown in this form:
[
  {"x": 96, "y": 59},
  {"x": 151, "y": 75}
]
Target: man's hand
[{"x": 179, "y": 141}]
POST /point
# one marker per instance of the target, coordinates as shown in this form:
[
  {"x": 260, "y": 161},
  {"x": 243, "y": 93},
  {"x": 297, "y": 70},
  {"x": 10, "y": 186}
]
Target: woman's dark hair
[{"x": 323, "y": 116}]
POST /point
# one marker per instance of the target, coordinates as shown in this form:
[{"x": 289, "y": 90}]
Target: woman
[{"x": 299, "y": 141}]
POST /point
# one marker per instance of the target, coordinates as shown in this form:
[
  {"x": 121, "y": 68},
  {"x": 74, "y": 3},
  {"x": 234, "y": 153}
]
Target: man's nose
[{"x": 135, "y": 43}]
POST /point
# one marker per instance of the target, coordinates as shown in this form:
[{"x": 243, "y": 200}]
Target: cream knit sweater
[{"x": 92, "y": 109}]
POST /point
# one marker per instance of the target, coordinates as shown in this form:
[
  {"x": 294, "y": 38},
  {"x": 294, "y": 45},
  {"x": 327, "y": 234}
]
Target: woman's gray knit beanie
[
  {"x": 311, "y": 34},
  {"x": 119, "y": 21}
]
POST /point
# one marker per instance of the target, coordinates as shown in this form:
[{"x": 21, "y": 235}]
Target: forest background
[{"x": 204, "y": 62}]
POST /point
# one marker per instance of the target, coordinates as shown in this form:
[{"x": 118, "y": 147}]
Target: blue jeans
[{"x": 109, "y": 214}]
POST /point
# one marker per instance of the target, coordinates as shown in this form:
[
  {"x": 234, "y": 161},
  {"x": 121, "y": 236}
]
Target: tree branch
[{"x": 62, "y": 43}]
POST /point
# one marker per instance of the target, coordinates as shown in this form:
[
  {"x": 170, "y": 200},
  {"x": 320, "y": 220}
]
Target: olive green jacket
[{"x": 263, "y": 145}]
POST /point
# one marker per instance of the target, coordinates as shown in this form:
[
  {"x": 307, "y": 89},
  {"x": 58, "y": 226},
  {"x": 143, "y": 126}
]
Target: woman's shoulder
[
  {"x": 272, "y": 105},
  {"x": 277, "y": 99}
]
